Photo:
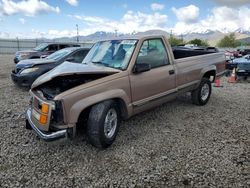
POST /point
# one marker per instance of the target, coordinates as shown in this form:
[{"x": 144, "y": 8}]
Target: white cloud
[
  {"x": 26, "y": 7},
  {"x": 223, "y": 19},
  {"x": 22, "y": 20},
  {"x": 73, "y": 2},
  {"x": 156, "y": 6},
  {"x": 130, "y": 22},
  {"x": 188, "y": 14},
  {"x": 232, "y": 2}
]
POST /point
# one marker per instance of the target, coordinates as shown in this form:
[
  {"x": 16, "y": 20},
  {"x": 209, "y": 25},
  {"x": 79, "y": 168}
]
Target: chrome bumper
[{"x": 45, "y": 136}]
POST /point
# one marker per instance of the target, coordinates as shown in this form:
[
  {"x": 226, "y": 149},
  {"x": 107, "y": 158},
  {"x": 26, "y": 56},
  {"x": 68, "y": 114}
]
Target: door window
[
  {"x": 79, "y": 56},
  {"x": 52, "y": 47},
  {"x": 154, "y": 53},
  {"x": 61, "y": 46}
]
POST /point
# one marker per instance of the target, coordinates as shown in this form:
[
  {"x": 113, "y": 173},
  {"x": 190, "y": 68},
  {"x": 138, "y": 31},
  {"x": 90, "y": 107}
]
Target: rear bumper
[{"x": 47, "y": 136}]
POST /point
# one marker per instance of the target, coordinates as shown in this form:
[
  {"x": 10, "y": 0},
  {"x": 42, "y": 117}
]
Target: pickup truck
[{"x": 116, "y": 80}]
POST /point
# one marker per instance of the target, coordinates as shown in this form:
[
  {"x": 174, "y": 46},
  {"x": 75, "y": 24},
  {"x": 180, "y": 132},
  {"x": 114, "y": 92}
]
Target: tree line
[{"x": 228, "y": 41}]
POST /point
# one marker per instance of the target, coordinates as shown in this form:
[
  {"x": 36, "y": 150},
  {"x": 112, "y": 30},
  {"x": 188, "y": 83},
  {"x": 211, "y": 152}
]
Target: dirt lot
[{"x": 175, "y": 145}]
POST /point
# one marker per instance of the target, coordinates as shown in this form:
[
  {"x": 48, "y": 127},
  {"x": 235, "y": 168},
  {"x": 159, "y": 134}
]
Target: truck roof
[{"x": 134, "y": 37}]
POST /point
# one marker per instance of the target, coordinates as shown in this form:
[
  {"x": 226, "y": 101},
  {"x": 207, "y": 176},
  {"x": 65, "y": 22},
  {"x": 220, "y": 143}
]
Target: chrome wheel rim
[
  {"x": 205, "y": 92},
  {"x": 110, "y": 123}
]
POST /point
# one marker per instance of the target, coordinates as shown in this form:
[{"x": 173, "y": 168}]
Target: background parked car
[
  {"x": 243, "y": 68},
  {"x": 42, "y": 50},
  {"x": 245, "y": 51},
  {"x": 27, "y": 71},
  {"x": 230, "y": 65}
]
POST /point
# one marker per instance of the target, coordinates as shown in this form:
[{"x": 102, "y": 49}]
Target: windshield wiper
[
  {"x": 105, "y": 64},
  {"x": 97, "y": 62}
]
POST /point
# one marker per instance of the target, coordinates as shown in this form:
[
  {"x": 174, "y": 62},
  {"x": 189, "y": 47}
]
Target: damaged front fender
[{"x": 84, "y": 103}]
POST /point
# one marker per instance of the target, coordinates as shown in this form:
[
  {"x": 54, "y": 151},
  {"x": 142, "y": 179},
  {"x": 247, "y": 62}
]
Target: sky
[{"x": 58, "y": 18}]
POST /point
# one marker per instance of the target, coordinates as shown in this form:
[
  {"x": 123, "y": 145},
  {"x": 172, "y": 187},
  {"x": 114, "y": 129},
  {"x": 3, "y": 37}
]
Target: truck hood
[
  {"x": 68, "y": 68},
  {"x": 27, "y": 63}
]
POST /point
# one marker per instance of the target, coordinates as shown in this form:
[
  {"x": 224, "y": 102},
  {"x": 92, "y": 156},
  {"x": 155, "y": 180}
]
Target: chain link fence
[{"x": 11, "y": 46}]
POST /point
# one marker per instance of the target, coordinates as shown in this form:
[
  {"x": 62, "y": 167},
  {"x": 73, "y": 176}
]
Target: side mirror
[
  {"x": 70, "y": 59},
  {"x": 142, "y": 67},
  {"x": 43, "y": 56}
]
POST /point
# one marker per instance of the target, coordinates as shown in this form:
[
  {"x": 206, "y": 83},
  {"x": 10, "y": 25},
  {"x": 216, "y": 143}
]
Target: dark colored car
[
  {"x": 245, "y": 52},
  {"x": 231, "y": 64},
  {"x": 27, "y": 71},
  {"x": 243, "y": 68},
  {"x": 42, "y": 50}
]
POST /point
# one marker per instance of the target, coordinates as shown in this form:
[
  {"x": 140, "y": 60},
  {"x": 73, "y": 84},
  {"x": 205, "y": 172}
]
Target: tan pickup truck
[{"x": 118, "y": 79}]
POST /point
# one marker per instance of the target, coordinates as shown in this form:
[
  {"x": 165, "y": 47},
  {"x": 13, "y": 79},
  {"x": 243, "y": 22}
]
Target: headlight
[
  {"x": 23, "y": 54},
  {"x": 29, "y": 70}
]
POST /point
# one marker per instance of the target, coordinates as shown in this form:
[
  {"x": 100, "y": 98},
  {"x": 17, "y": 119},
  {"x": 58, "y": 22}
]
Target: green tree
[
  {"x": 229, "y": 41},
  {"x": 198, "y": 42},
  {"x": 175, "y": 41}
]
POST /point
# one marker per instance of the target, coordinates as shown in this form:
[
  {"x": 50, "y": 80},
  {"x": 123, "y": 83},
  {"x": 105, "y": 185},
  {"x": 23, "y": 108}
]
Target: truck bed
[{"x": 186, "y": 52}]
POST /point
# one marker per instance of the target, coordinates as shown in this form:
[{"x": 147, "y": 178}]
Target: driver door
[{"x": 157, "y": 83}]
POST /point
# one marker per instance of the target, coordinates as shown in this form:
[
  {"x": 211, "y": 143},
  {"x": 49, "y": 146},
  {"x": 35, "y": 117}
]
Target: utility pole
[
  {"x": 77, "y": 33},
  {"x": 116, "y": 35}
]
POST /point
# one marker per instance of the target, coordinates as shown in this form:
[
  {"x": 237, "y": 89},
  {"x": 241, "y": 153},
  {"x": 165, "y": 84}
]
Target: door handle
[{"x": 171, "y": 72}]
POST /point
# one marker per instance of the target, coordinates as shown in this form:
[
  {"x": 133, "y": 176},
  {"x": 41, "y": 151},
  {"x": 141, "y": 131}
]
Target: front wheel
[
  {"x": 103, "y": 124},
  {"x": 201, "y": 95}
]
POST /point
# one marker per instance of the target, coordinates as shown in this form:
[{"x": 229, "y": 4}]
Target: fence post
[{"x": 18, "y": 47}]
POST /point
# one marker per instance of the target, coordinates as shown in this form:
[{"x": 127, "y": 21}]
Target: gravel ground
[{"x": 175, "y": 145}]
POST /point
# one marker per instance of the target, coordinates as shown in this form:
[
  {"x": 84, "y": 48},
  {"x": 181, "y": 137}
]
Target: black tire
[
  {"x": 196, "y": 95},
  {"x": 95, "y": 127}
]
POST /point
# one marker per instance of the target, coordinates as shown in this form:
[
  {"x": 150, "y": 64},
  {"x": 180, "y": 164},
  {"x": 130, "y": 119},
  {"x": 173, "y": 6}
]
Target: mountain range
[{"x": 212, "y": 37}]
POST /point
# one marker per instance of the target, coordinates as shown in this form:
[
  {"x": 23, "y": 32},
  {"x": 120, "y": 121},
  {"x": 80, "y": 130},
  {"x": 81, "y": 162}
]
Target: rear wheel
[
  {"x": 201, "y": 95},
  {"x": 103, "y": 124}
]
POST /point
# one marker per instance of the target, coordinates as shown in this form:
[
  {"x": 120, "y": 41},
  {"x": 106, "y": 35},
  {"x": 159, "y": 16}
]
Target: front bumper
[
  {"x": 23, "y": 80},
  {"x": 241, "y": 73},
  {"x": 231, "y": 66},
  {"x": 47, "y": 136},
  {"x": 16, "y": 60}
]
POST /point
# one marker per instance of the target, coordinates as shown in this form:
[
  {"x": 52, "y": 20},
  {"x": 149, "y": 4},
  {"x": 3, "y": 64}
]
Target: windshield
[
  {"x": 113, "y": 53},
  {"x": 40, "y": 47},
  {"x": 59, "y": 54}
]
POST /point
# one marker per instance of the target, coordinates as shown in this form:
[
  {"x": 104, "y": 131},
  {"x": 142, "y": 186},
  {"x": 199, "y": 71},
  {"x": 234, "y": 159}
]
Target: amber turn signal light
[
  {"x": 43, "y": 119},
  {"x": 45, "y": 108}
]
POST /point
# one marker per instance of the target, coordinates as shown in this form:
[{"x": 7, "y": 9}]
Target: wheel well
[
  {"x": 83, "y": 117},
  {"x": 122, "y": 107},
  {"x": 210, "y": 75}
]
